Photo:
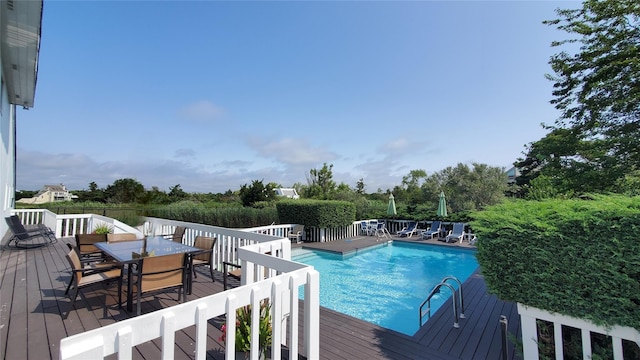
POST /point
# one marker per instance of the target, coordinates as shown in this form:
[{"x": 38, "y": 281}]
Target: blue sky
[{"x": 212, "y": 95}]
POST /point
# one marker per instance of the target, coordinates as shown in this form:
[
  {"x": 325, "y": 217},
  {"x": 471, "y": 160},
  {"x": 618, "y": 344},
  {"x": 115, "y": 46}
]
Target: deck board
[{"x": 35, "y": 315}]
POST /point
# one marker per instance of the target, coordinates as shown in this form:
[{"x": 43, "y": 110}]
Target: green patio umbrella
[
  {"x": 391, "y": 209},
  {"x": 442, "y": 205}
]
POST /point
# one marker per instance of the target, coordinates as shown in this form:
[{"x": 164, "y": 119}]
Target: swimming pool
[{"x": 385, "y": 285}]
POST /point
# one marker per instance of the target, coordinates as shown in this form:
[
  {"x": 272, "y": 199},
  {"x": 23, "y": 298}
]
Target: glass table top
[{"x": 128, "y": 251}]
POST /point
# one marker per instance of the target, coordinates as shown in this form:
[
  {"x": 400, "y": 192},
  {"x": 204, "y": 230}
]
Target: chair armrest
[{"x": 226, "y": 273}]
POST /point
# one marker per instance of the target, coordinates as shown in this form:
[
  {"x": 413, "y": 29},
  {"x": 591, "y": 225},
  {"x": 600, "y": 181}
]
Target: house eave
[{"x": 20, "y": 26}]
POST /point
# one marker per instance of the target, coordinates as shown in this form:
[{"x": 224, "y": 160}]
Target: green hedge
[
  {"x": 576, "y": 257},
  {"x": 316, "y": 213},
  {"x": 226, "y": 216}
]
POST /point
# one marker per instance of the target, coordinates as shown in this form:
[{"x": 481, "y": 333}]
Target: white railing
[
  {"x": 529, "y": 315},
  {"x": 228, "y": 240},
  {"x": 267, "y": 273},
  {"x": 69, "y": 225},
  {"x": 280, "y": 290}
]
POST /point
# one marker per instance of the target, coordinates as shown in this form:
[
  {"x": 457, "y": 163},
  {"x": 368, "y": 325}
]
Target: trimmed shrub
[
  {"x": 576, "y": 257},
  {"x": 316, "y": 213}
]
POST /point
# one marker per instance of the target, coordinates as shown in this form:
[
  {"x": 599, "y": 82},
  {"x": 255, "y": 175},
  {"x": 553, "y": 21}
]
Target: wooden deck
[{"x": 35, "y": 315}]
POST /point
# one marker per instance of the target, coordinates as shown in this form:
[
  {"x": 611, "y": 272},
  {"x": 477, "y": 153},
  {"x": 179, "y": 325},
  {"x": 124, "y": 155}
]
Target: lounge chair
[
  {"x": 409, "y": 230},
  {"x": 456, "y": 233},
  {"x": 364, "y": 228},
  {"x": 433, "y": 230},
  {"x": 23, "y": 238},
  {"x": 381, "y": 230},
  {"x": 295, "y": 234}
]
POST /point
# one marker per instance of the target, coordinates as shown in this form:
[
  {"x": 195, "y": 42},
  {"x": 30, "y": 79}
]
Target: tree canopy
[{"x": 595, "y": 142}]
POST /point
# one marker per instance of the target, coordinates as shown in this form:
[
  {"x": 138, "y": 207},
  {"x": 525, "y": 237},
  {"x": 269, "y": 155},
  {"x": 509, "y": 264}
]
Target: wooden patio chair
[
  {"x": 82, "y": 277},
  {"x": 31, "y": 238},
  {"x": 177, "y": 235},
  {"x": 205, "y": 256},
  {"x": 86, "y": 249},
  {"x": 121, "y": 237},
  {"x": 93, "y": 266},
  {"x": 158, "y": 273},
  {"x": 236, "y": 274}
]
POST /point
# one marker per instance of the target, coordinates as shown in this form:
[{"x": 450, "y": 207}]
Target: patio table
[{"x": 132, "y": 252}]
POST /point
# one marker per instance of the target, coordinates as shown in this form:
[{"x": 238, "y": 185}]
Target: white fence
[
  {"x": 267, "y": 273},
  {"x": 71, "y": 224},
  {"x": 529, "y": 315},
  {"x": 281, "y": 291}
]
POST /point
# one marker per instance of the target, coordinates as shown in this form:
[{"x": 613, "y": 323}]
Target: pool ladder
[{"x": 435, "y": 290}]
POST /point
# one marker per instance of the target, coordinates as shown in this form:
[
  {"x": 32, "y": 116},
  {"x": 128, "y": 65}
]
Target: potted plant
[
  {"x": 243, "y": 330},
  {"x": 103, "y": 228}
]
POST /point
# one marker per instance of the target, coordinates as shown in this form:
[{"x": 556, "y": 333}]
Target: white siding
[{"x": 7, "y": 155}]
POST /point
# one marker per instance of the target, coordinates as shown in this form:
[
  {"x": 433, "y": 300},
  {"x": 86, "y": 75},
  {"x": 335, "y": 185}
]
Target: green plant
[
  {"x": 243, "y": 328},
  {"x": 103, "y": 229},
  {"x": 576, "y": 257}
]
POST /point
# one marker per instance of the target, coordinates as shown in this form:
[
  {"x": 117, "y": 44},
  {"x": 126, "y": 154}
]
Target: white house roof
[
  {"x": 20, "y": 25},
  {"x": 288, "y": 192}
]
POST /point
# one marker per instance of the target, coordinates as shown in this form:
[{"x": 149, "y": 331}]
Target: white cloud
[
  {"x": 185, "y": 153},
  {"x": 203, "y": 110},
  {"x": 291, "y": 152}
]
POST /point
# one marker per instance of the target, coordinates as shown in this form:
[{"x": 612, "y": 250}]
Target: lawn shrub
[{"x": 576, "y": 257}]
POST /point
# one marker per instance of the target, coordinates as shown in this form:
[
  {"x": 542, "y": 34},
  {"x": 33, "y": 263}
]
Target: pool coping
[{"x": 354, "y": 245}]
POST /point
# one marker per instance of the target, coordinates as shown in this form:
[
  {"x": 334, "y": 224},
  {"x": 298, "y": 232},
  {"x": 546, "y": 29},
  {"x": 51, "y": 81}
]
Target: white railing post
[
  {"x": 529, "y": 315},
  {"x": 312, "y": 315},
  {"x": 529, "y": 337}
]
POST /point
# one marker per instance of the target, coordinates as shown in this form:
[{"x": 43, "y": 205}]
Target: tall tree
[
  {"x": 467, "y": 188},
  {"x": 176, "y": 193},
  {"x": 257, "y": 191},
  {"x": 321, "y": 183},
  {"x": 360, "y": 186},
  {"x": 124, "y": 191},
  {"x": 597, "y": 90}
]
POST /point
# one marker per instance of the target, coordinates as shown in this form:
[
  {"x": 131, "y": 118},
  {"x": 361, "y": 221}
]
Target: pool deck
[
  {"x": 35, "y": 315},
  {"x": 478, "y": 337}
]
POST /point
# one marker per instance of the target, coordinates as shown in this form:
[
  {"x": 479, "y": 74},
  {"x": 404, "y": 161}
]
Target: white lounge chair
[
  {"x": 409, "y": 230},
  {"x": 456, "y": 233},
  {"x": 432, "y": 230}
]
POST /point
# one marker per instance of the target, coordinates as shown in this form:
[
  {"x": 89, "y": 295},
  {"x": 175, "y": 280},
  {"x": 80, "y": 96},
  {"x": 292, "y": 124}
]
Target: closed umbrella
[
  {"x": 442, "y": 205},
  {"x": 391, "y": 209}
]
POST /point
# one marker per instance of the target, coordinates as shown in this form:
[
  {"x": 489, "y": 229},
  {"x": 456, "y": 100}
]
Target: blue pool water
[{"x": 386, "y": 285}]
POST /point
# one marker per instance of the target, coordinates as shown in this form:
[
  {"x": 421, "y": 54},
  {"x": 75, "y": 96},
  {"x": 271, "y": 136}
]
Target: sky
[{"x": 212, "y": 95}]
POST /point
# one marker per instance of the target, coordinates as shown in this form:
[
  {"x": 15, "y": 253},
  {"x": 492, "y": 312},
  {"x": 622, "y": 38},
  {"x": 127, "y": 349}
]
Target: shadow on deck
[{"x": 35, "y": 315}]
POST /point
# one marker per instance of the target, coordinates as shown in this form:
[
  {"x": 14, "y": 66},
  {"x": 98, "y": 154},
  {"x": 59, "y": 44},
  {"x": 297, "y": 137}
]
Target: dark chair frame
[
  {"x": 141, "y": 274},
  {"x": 203, "y": 257},
  {"x": 91, "y": 276},
  {"x": 236, "y": 274},
  {"x": 23, "y": 238},
  {"x": 178, "y": 234}
]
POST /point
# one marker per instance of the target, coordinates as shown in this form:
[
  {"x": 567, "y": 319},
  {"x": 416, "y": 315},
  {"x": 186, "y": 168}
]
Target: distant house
[
  {"x": 49, "y": 193},
  {"x": 512, "y": 174},
  {"x": 287, "y": 192}
]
